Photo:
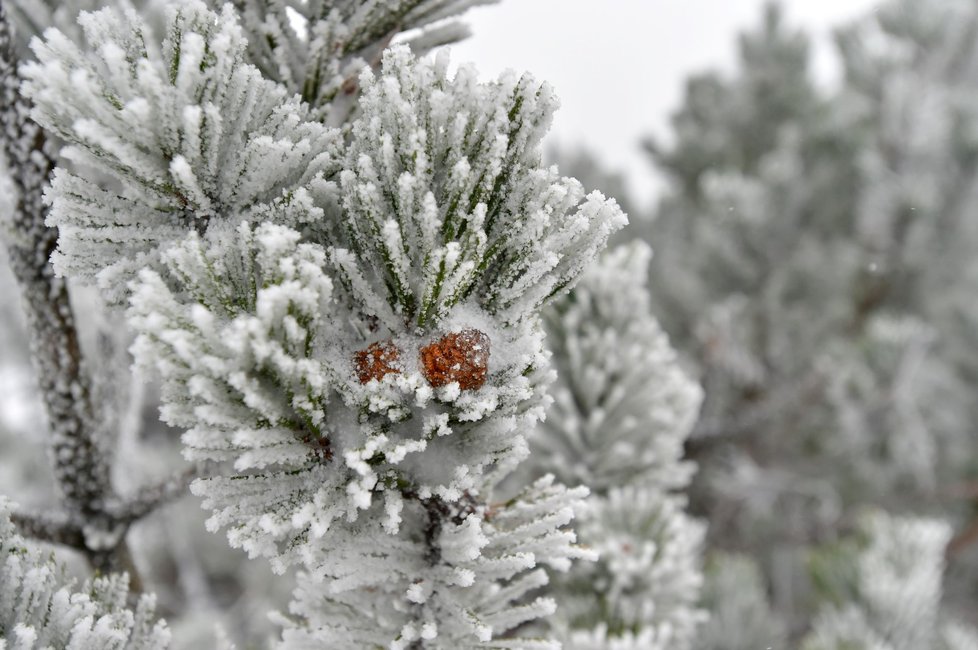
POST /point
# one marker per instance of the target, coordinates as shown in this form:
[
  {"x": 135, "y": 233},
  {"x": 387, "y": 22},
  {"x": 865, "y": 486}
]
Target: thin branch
[
  {"x": 963, "y": 540},
  {"x": 80, "y": 466},
  {"x": 150, "y": 497},
  {"x": 54, "y": 528},
  {"x": 65, "y": 528}
]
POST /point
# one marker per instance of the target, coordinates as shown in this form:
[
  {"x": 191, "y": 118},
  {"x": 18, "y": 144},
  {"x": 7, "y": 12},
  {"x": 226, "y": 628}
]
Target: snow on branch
[
  {"x": 447, "y": 201},
  {"x": 622, "y": 411},
  {"x": 189, "y": 132},
  {"x": 467, "y": 578},
  {"x": 318, "y": 48},
  {"x": 41, "y": 608},
  {"x": 368, "y": 375},
  {"x": 347, "y": 325}
]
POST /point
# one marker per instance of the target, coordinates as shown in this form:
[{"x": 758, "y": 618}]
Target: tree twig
[
  {"x": 963, "y": 540},
  {"x": 105, "y": 547},
  {"x": 150, "y": 497},
  {"x": 81, "y": 468},
  {"x": 55, "y": 528}
]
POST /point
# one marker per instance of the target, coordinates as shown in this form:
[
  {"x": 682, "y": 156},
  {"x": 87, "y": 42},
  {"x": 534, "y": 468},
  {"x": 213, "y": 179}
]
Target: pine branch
[
  {"x": 106, "y": 550},
  {"x": 81, "y": 467},
  {"x": 622, "y": 411},
  {"x": 69, "y": 529},
  {"x": 54, "y": 528},
  {"x": 41, "y": 608},
  {"x": 150, "y": 497}
]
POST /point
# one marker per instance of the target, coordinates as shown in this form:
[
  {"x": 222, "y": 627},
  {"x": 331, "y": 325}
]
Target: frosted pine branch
[
  {"x": 328, "y": 397},
  {"x": 623, "y": 409},
  {"x": 469, "y": 578},
  {"x": 187, "y": 127},
  {"x": 336, "y": 40},
  {"x": 41, "y": 608},
  {"x": 448, "y": 201},
  {"x": 886, "y": 589},
  {"x": 349, "y": 329}
]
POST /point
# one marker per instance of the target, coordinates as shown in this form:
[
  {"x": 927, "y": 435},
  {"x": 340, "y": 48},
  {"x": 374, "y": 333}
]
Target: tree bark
[{"x": 81, "y": 466}]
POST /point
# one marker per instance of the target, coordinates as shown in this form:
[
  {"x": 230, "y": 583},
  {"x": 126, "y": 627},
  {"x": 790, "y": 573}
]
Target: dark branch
[
  {"x": 150, "y": 497},
  {"x": 80, "y": 466},
  {"x": 54, "y": 528}
]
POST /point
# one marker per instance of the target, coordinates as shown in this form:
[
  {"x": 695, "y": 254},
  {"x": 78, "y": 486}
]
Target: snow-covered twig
[
  {"x": 56, "y": 528},
  {"x": 150, "y": 497},
  {"x": 81, "y": 466}
]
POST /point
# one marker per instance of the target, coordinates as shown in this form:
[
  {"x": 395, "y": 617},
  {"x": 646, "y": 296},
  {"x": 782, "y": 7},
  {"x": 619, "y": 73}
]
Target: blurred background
[{"x": 630, "y": 59}]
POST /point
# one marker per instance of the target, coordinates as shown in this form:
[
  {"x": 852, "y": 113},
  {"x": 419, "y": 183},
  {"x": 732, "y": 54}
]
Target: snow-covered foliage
[
  {"x": 740, "y": 616},
  {"x": 336, "y": 39},
  {"x": 314, "y": 48},
  {"x": 186, "y": 129},
  {"x": 461, "y": 577},
  {"x": 352, "y": 332},
  {"x": 41, "y": 609},
  {"x": 356, "y": 282},
  {"x": 815, "y": 267},
  {"x": 622, "y": 405},
  {"x": 623, "y": 408},
  {"x": 455, "y": 166},
  {"x": 886, "y": 588}
]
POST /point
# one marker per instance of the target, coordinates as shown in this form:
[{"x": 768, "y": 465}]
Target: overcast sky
[{"x": 619, "y": 65}]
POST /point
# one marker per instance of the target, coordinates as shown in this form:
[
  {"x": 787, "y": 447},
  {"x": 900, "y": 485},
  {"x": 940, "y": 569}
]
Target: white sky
[{"x": 619, "y": 65}]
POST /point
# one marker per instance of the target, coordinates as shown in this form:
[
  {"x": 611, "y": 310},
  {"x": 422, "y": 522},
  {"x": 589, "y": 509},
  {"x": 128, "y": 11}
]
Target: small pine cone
[
  {"x": 377, "y": 361},
  {"x": 461, "y": 357}
]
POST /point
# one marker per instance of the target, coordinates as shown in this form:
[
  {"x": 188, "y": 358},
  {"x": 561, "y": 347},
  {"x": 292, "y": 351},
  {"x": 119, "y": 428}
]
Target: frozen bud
[
  {"x": 377, "y": 361},
  {"x": 321, "y": 446},
  {"x": 461, "y": 357}
]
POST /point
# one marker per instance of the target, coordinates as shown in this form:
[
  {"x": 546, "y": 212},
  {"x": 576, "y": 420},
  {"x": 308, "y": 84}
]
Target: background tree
[
  {"x": 622, "y": 410},
  {"x": 811, "y": 265}
]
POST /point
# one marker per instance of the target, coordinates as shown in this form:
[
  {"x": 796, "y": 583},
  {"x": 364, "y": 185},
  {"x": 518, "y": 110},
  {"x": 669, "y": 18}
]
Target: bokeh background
[{"x": 629, "y": 59}]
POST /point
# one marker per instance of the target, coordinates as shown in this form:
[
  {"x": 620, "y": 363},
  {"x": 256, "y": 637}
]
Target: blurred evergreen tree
[{"x": 815, "y": 264}]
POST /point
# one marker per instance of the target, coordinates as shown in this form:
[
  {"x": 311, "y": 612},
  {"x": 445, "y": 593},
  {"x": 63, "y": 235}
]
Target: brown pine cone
[
  {"x": 461, "y": 357},
  {"x": 377, "y": 361}
]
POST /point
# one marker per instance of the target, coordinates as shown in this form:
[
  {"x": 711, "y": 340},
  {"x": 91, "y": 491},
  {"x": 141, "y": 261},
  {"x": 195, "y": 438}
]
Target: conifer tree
[
  {"x": 812, "y": 256},
  {"x": 336, "y": 272}
]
